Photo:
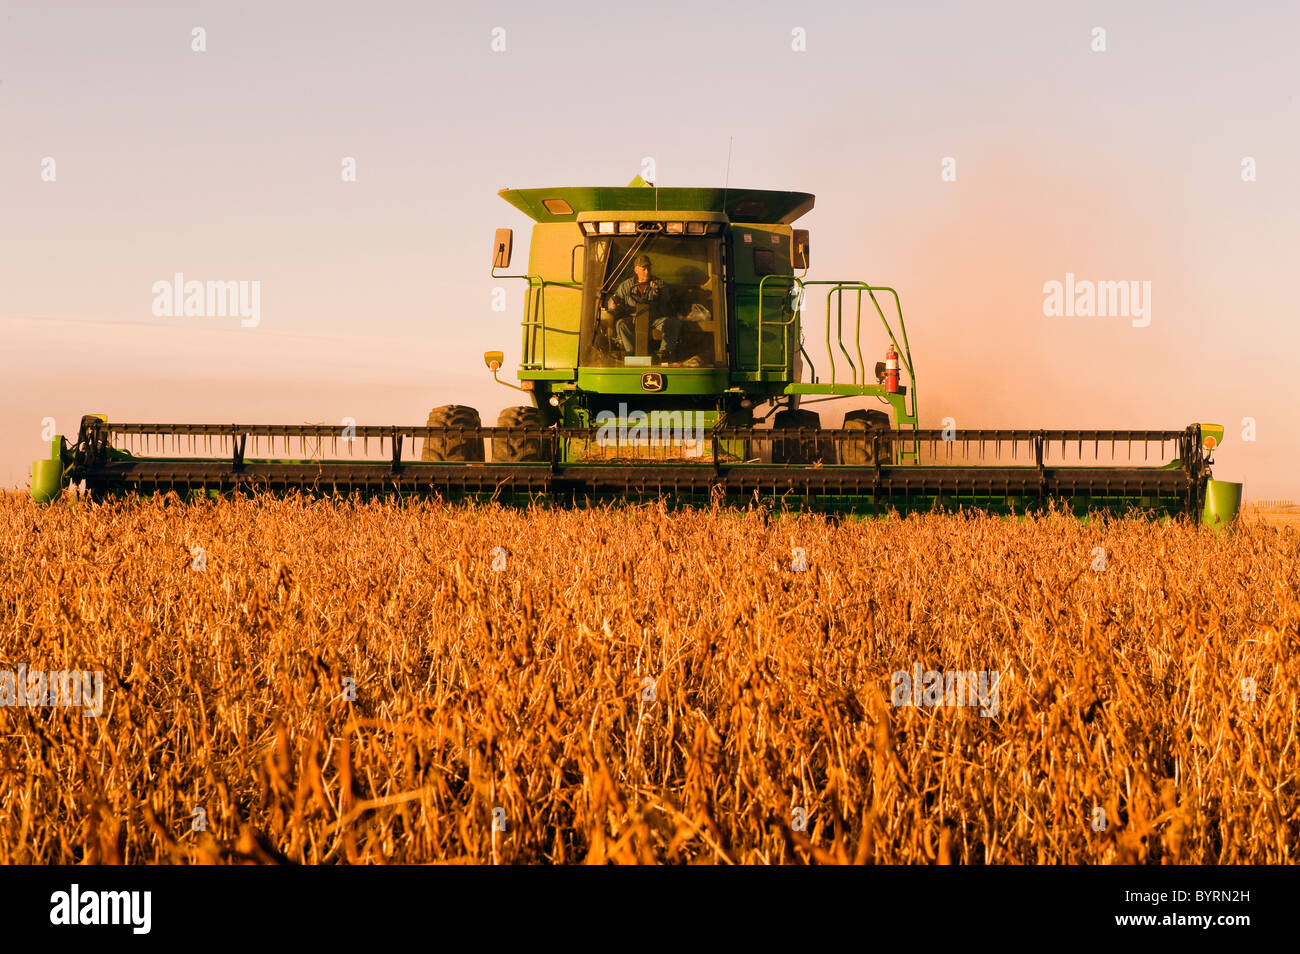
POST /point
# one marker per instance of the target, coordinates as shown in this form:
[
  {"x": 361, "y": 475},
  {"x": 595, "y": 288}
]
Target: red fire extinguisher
[{"x": 891, "y": 370}]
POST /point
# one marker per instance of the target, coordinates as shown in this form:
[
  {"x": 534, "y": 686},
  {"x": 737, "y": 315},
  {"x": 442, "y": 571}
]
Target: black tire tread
[
  {"x": 796, "y": 449},
  {"x": 521, "y": 450},
  {"x": 860, "y": 453},
  {"x": 453, "y": 447}
]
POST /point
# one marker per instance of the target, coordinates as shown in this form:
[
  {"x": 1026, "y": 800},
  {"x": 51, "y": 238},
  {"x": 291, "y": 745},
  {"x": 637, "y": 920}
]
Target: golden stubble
[{"x": 642, "y": 685}]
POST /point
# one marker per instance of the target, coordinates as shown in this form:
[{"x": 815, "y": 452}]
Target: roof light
[
  {"x": 606, "y": 228},
  {"x": 589, "y": 228},
  {"x": 694, "y": 228},
  {"x": 626, "y": 228},
  {"x": 715, "y": 228},
  {"x": 674, "y": 228}
]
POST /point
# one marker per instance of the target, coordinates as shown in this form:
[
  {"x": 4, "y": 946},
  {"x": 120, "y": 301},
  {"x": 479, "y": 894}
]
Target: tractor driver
[{"x": 646, "y": 291}]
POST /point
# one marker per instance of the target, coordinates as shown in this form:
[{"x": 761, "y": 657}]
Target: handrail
[
  {"x": 836, "y": 293},
  {"x": 839, "y": 332},
  {"x": 794, "y": 316},
  {"x": 533, "y": 307},
  {"x": 905, "y": 349}
]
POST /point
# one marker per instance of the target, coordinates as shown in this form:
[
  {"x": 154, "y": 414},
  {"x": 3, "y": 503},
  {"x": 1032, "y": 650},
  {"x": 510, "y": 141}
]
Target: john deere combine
[{"x": 664, "y": 354}]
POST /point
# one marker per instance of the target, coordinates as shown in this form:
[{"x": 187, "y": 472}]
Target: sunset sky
[{"x": 1121, "y": 165}]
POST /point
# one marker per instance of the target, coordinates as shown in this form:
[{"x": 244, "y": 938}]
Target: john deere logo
[{"x": 652, "y": 381}]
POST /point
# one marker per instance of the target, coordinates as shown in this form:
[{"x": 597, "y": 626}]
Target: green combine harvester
[{"x": 664, "y": 356}]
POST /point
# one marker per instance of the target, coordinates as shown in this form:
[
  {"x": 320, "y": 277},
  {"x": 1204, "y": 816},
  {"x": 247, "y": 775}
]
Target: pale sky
[{"x": 1122, "y": 165}]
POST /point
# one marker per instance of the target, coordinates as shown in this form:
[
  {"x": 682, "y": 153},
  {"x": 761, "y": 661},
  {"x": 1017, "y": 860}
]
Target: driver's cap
[{"x": 641, "y": 261}]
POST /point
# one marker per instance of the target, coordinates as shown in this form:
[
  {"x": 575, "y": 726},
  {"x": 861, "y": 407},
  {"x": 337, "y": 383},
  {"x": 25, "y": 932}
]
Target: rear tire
[
  {"x": 861, "y": 452},
  {"x": 453, "y": 447},
  {"x": 521, "y": 450},
  {"x": 795, "y": 449}
]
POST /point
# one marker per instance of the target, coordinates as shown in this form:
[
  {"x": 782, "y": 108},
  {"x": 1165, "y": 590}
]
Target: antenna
[{"x": 726, "y": 179}]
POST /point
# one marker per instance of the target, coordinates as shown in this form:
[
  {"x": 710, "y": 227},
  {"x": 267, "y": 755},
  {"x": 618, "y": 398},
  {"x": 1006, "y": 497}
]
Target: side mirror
[
  {"x": 799, "y": 249},
  {"x": 501, "y": 247},
  {"x": 493, "y": 359}
]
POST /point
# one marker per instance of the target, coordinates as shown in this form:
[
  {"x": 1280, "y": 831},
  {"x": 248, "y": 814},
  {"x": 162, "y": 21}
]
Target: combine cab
[{"x": 664, "y": 355}]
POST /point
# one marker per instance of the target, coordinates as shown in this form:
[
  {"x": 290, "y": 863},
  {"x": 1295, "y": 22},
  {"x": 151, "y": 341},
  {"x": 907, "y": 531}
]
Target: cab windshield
[{"x": 652, "y": 299}]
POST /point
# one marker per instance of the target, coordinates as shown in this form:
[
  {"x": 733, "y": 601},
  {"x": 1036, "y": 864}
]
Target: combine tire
[
  {"x": 453, "y": 447},
  {"x": 795, "y": 449},
  {"x": 861, "y": 452},
  {"x": 521, "y": 450}
]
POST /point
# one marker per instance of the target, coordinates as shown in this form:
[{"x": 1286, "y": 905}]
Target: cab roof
[{"x": 759, "y": 206}]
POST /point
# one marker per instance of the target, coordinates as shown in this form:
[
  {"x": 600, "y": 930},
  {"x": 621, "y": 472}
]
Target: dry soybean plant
[{"x": 316, "y": 681}]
